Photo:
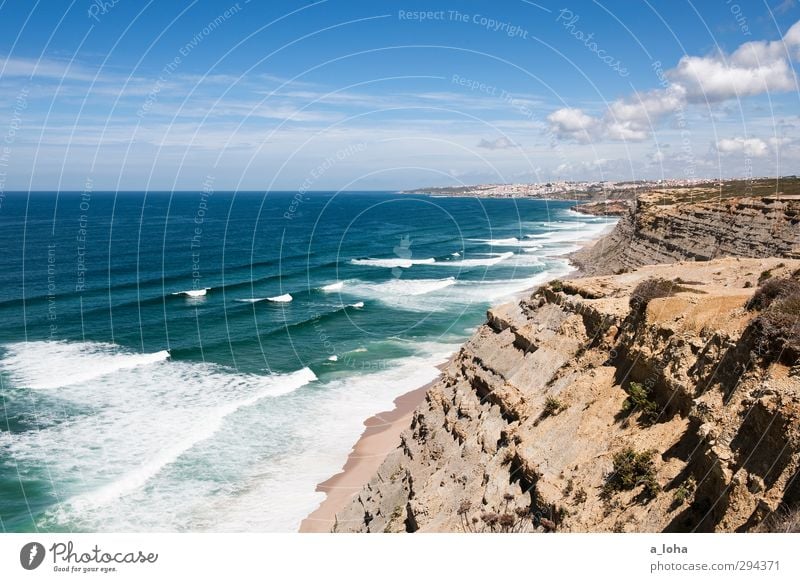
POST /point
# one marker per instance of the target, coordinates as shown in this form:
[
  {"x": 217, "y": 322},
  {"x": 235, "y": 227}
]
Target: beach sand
[{"x": 381, "y": 436}]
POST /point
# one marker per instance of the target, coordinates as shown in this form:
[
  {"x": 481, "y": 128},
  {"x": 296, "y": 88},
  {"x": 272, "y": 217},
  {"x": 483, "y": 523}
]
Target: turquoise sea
[{"x": 200, "y": 361}]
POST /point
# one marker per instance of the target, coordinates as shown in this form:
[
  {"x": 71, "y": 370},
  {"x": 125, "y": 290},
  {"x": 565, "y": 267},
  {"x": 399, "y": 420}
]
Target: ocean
[{"x": 200, "y": 361}]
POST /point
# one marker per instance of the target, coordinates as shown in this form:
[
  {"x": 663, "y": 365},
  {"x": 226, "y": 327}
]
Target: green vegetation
[
  {"x": 632, "y": 469},
  {"x": 735, "y": 188},
  {"x": 552, "y": 406},
  {"x": 557, "y": 285},
  {"x": 639, "y": 399},
  {"x": 772, "y": 289},
  {"x": 776, "y": 330},
  {"x": 684, "y": 491}
]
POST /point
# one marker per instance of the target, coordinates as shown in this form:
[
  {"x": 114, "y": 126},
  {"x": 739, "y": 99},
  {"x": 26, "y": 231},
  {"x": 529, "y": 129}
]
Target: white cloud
[
  {"x": 501, "y": 143},
  {"x": 572, "y": 123},
  {"x": 751, "y": 147},
  {"x": 49, "y": 68},
  {"x": 754, "y": 68}
]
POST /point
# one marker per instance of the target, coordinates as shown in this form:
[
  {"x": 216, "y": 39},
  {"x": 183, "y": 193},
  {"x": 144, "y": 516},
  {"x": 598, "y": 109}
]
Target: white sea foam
[
  {"x": 467, "y": 263},
  {"x": 323, "y": 430},
  {"x": 357, "y": 305},
  {"x": 285, "y": 298},
  {"x": 333, "y": 358},
  {"x": 505, "y": 242},
  {"x": 139, "y": 475},
  {"x": 402, "y": 293},
  {"x": 333, "y": 287},
  {"x": 128, "y": 425},
  {"x": 60, "y": 363},
  {"x": 194, "y": 293},
  {"x": 393, "y": 263},
  {"x": 402, "y": 287},
  {"x": 493, "y": 291}
]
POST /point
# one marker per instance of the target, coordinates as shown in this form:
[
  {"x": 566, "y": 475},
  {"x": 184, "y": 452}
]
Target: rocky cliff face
[
  {"x": 663, "y": 229},
  {"x": 573, "y": 411}
]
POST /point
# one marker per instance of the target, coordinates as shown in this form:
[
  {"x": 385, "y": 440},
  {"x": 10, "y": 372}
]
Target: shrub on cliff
[
  {"x": 772, "y": 289},
  {"x": 639, "y": 399},
  {"x": 781, "y": 521},
  {"x": 776, "y": 330},
  {"x": 552, "y": 406},
  {"x": 631, "y": 469}
]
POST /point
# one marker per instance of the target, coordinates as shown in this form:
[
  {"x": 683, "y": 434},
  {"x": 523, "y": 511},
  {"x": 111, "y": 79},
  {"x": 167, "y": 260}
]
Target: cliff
[
  {"x": 665, "y": 228},
  {"x": 599, "y": 404},
  {"x": 612, "y": 207}
]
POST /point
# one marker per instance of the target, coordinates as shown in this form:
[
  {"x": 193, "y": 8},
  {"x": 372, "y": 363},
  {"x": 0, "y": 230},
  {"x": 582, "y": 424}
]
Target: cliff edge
[{"x": 663, "y": 227}]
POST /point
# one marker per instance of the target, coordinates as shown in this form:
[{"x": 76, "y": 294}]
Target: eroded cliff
[
  {"x": 665, "y": 228},
  {"x": 580, "y": 409}
]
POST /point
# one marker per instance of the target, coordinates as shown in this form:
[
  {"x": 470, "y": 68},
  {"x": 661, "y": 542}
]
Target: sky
[{"x": 385, "y": 95}]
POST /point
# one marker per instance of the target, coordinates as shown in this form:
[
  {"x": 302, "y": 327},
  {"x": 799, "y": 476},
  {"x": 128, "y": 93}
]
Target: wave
[
  {"x": 404, "y": 294},
  {"x": 403, "y": 287},
  {"x": 357, "y": 305},
  {"x": 122, "y": 428},
  {"x": 499, "y": 242},
  {"x": 285, "y": 298},
  {"x": 505, "y": 242},
  {"x": 332, "y": 287},
  {"x": 464, "y": 263},
  {"x": 492, "y": 291},
  {"x": 193, "y": 293},
  {"x": 330, "y": 422},
  {"x": 204, "y": 428},
  {"x": 392, "y": 263},
  {"x": 60, "y": 363}
]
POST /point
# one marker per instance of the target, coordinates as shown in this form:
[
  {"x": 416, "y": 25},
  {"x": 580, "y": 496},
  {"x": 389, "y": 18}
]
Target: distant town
[{"x": 569, "y": 189}]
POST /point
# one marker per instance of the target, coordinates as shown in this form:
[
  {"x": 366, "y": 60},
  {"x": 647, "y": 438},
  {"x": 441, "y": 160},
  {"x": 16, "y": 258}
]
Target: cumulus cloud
[
  {"x": 754, "y": 68},
  {"x": 501, "y": 143},
  {"x": 572, "y": 123},
  {"x": 751, "y": 147}
]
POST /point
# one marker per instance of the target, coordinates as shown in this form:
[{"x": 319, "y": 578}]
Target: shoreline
[{"x": 382, "y": 435}]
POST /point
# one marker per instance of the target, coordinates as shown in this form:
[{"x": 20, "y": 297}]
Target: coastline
[{"x": 382, "y": 435}]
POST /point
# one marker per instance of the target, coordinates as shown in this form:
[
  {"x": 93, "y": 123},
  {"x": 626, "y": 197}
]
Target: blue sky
[{"x": 374, "y": 95}]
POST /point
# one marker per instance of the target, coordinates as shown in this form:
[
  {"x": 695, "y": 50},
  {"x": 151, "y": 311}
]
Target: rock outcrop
[
  {"x": 661, "y": 229},
  {"x": 613, "y": 207},
  {"x": 574, "y": 411}
]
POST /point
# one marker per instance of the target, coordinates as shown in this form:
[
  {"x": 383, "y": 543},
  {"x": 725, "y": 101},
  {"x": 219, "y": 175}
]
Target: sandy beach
[{"x": 380, "y": 437}]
